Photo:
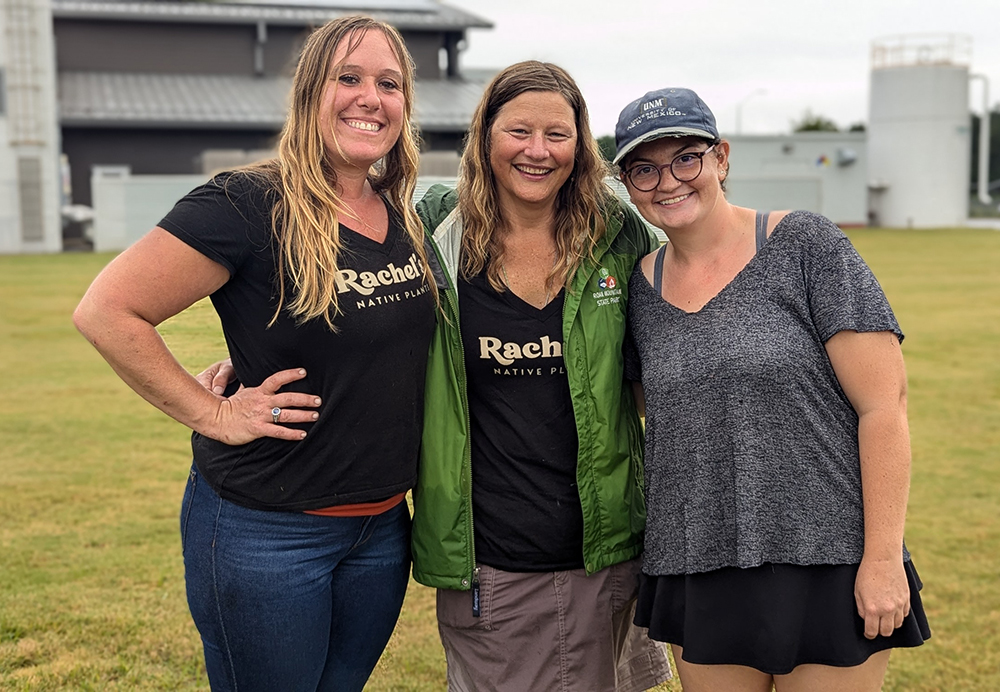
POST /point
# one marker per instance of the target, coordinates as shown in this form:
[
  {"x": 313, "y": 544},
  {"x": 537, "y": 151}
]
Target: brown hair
[
  {"x": 306, "y": 215},
  {"x": 579, "y": 223}
]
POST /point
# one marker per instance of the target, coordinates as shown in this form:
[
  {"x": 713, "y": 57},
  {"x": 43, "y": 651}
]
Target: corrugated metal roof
[
  {"x": 123, "y": 99},
  {"x": 109, "y": 99},
  {"x": 446, "y": 105},
  {"x": 429, "y": 16}
]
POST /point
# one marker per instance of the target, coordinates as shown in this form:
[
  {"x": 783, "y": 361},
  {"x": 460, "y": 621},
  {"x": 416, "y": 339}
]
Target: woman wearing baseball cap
[{"x": 777, "y": 448}]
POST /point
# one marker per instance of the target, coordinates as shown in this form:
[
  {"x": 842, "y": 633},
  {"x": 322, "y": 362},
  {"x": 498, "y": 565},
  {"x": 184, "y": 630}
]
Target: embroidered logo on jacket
[{"x": 609, "y": 293}]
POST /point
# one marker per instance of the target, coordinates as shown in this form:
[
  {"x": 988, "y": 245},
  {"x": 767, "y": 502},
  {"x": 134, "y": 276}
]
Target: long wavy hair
[
  {"x": 306, "y": 215},
  {"x": 579, "y": 223}
]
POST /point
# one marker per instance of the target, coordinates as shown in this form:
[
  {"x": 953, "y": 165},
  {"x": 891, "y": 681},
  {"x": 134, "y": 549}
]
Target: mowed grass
[{"x": 91, "y": 577}]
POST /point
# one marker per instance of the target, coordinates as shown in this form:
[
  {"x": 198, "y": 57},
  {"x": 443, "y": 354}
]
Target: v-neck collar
[
  {"x": 526, "y": 308},
  {"x": 391, "y": 235},
  {"x": 725, "y": 289}
]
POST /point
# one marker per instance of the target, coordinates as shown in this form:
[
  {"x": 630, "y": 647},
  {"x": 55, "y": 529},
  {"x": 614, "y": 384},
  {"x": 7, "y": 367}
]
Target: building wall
[
  {"x": 442, "y": 141},
  {"x": 823, "y": 172},
  {"x": 281, "y": 51},
  {"x": 10, "y": 227},
  {"x": 148, "y": 151},
  {"x": 425, "y": 48},
  {"x": 157, "y": 47},
  {"x": 29, "y": 134},
  {"x": 175, "y": 48}
]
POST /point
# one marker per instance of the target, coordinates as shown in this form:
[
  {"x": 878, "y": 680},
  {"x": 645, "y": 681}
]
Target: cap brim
[{"x": 659, "y": 134}]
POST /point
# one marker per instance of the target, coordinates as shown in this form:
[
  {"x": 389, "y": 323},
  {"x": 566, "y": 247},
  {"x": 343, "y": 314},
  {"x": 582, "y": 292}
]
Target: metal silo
[{"x": 918, "y": 134}]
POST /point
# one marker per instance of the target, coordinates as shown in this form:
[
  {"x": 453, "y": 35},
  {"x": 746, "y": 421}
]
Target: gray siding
[
  {"x": 154, "y": 47},
  {"x": 163, "y": 48},
  {"x": 425, "y": 46}
]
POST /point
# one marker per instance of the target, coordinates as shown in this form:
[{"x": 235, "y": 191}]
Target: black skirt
[{"x": 772, "y": 618}]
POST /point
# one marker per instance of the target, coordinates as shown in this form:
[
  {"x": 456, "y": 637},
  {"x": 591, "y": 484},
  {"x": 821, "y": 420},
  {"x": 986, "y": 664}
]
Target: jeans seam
[
  {"x": 369, "y": 522},
  {"x": 192, "y": 488},
  {"x": 218, "y": 600}
]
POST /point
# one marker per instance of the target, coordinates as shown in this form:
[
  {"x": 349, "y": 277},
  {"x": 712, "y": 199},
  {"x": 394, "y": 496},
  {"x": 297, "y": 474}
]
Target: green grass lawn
[{"x": 91, "y": 579}]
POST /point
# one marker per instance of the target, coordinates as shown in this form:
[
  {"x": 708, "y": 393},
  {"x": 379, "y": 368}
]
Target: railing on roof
[{"x": 908, "y": 50}]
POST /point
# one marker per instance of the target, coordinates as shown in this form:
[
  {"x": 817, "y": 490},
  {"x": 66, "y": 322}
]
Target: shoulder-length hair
[
  {"x": 579, "y": 222},
  {"x": 307, "y": 211}
]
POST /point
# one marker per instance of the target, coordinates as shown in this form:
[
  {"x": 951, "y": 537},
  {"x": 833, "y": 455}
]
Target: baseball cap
[{"x": 663, "y": 113}]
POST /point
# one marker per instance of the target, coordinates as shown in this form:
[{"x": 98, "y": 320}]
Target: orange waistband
[{"x": 362, "y": 509}]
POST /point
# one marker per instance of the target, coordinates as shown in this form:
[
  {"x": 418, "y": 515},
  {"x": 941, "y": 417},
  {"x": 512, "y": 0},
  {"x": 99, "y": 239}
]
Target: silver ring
[{"x": 275, "y": 412}]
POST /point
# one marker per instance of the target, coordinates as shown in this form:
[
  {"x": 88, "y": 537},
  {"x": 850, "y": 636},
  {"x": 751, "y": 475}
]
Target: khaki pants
[{"x": 559, "y": 631}]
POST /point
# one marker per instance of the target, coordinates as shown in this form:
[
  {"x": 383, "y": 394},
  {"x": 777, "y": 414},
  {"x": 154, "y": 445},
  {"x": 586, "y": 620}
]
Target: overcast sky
[{"x": 803, "y": 54}]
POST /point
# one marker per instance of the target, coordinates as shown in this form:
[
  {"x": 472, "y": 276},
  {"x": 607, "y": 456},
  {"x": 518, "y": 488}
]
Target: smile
[
  {"x": 362, "y": 125},
  {"x": 674, "y": 200},
  {"x": 530, "y": 170}
]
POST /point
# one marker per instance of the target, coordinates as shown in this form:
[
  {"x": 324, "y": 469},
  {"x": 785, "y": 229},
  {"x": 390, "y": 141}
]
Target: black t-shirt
[
  {"x": 525, "y": 499},
  {"x": 369, "y": 372}
]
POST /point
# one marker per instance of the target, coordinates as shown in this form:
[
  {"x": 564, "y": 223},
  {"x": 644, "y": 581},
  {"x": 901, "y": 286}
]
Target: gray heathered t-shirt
[{"x": 751, "y": 445}]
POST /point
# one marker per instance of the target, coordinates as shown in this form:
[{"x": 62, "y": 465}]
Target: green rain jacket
[{"x": 609, "y": 467}]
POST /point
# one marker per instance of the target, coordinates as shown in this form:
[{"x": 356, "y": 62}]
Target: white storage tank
[{"x": 918, "y": 133}]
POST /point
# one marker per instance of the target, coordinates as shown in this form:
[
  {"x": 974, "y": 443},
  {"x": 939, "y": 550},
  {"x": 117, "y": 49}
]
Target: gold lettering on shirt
[
  {"x": 507, "y": 353},
  {"x": 365, "y": 283}
]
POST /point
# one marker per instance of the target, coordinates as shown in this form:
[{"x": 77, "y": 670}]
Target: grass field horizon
[{"x": 91, "y": 576}]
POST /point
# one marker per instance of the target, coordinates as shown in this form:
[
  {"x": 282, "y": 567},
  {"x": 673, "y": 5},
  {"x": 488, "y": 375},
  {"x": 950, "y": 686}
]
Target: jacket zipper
[
  {"x": 473, "y": 568},
  {"x": 475, "y": 592}
]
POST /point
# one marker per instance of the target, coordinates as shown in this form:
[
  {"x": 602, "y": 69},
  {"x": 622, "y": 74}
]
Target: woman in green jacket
[{"x": 528, "y": 515}]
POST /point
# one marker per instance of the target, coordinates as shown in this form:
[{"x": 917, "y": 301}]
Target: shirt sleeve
[
  {"x": 221, "y": 219},
  {"x": 843, "y": 292}
]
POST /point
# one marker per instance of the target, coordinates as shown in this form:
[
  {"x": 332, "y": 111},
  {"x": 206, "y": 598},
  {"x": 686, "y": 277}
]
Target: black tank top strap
[
  {"x": 761, "y": 236},
  {"x": 658, "y": 270}
]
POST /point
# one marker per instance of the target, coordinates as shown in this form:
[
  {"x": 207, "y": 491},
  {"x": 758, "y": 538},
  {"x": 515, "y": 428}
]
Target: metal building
[
  {"x": 29, "y": 133},
  {"x": 822, "y": 172},
  {"x": 918, "y": 133}
]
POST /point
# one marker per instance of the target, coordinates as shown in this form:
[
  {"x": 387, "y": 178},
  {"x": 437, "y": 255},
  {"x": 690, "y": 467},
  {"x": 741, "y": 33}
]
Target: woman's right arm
[{"x": 153, "y": 280}]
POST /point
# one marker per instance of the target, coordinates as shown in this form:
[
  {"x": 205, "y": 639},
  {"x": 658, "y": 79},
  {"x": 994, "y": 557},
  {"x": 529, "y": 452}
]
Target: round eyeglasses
[{"x": 685, "y": 167}]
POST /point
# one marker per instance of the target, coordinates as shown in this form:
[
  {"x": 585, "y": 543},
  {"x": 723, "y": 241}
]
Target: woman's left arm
[{"x": 869, "y": 366}]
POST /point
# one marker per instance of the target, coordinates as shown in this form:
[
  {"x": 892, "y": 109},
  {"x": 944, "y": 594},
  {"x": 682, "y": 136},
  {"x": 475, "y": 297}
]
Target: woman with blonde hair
[
  {"x": 294, "y": 529},
  {"x": 528, "y": 512}
]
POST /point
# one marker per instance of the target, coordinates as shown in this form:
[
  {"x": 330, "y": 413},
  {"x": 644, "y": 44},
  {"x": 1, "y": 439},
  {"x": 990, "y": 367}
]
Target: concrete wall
[
  {"x": 823, "y": 172},
  {"x": 126, "y": 207}
]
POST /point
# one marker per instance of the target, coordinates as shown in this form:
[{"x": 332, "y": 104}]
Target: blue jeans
[{"x": 291, "y": 601}]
